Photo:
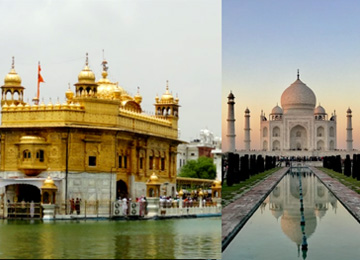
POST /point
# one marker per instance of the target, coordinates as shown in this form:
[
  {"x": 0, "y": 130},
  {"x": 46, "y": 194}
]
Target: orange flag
[{"x": 40, "y": 79}]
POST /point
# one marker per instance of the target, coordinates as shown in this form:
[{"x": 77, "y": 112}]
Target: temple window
[
  {"x": 92, "y": 160},
  {"x": 26, "y": 154},
  {"x": 40, "y": 155},
  {"x": 162, "y": 164},
  {"x": 141, "y": 162},
  {"x": 151, "y": 162},
  {"x": 120, "y": 161},
  {"x": 125, "y": 161}
]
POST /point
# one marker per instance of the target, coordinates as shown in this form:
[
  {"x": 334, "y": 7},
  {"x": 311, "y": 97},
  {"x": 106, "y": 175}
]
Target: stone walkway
[
  {"x": 349, "y": 198},
  {"x": 235, "y": 215}
]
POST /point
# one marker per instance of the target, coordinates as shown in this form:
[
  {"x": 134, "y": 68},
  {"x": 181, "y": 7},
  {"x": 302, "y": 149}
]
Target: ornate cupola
[
  {"x": 86, "y": 87},
  {"x": 12, "y": 91},
  {"x": 166, "y": 106}
]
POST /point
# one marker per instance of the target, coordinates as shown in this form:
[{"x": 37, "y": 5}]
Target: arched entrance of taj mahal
[{"x": 298, "y": 138}]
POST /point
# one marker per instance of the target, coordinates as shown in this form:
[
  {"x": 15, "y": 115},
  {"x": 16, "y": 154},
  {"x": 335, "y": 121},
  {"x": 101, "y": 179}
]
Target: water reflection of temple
[{"x": 284, "y": 203}]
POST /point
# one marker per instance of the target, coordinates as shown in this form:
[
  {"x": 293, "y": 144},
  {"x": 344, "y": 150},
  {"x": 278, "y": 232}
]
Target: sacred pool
[
  {"x": 115, "y": 239},
  {"x": 300, "y": 219}
]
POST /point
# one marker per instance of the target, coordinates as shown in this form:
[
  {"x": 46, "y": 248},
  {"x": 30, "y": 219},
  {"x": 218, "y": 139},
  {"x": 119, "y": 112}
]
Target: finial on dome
[
  {"x": 167, "y": 85},
  {"x": 138, "y": 89},
  {"x": 13, "y": 62},
  {"x": 298, "y": 74},
  {"x": 87, "y": 60}
]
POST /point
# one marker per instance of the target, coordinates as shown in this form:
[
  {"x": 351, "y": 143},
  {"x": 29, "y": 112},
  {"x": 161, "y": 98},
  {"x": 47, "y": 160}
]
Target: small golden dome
[
  {"x": 65, "y": 105},
  {"x": 12, "y": 107},
  {"x": 153, "y": 179},
  {"x": 57, "y": 105},
  {"x": 12, "y": 78},
  {"x": 42, "y": 105},
  {"x": 49, "y": 184},
  {"x": 181, "y": 193},
  {"x": 138, "y": 97},
  {"x": 5, "y": 107},
  {"x": 217, "y": 184},
  {"x": 49, "y": 105},
  {"x": 20, "y": 106},
  {"x": 78, "y": 106},
  {"x": 69, "y": 94},
  {"x": 167, "y": 97},
  {"x": 157, "y": 99},
  {"x": 201, "y": 194},
  {"x": 34, "y": 107},
  {"x": 86, "y": 75},
  {"x": 27, "y": 106}
]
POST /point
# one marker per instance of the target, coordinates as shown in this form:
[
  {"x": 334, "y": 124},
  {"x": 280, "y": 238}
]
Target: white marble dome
[
  {"x": 277, "y": 110},
  {"x": 298, "y": 96},
  {"x": 319, "y": 110}
]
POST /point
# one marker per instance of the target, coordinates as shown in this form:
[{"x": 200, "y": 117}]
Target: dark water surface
[
  {"x": 151, "y": 239},
  {"x": 275, "y": 231}
]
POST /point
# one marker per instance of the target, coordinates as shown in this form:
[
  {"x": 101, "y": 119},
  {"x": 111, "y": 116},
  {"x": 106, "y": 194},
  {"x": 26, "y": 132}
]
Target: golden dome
[
  {"x": 138, "y": 97},
  {"x": 69, "y": 94},
  {"x": 153, "y": 179},
  {"x": 181, "y": 193},
  {"x": 42, "y": 105},
  {"x": 49, "y": 184},
  {"x": 12, "y": 78},
  {"x": 27, "y": 106},
  {"x": 201, "y": 194},
  {"x": 107, "y": 89},
  {"x": 86, "y": 75},
  {"x": 217, "y": 184},
  {"x": 167, "y": 97}
]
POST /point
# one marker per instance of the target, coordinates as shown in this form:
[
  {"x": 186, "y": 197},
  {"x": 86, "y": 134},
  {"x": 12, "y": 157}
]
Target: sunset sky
[{"x": 265, "y": 42}]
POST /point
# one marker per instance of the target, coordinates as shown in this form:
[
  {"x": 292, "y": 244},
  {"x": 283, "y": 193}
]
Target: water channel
[
  {"x": 198, "y": 238},
  {"x": 300, "y": 219}
]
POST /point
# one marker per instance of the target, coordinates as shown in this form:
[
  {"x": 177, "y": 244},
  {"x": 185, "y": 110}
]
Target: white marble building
[{"x": 298, "y": 125}]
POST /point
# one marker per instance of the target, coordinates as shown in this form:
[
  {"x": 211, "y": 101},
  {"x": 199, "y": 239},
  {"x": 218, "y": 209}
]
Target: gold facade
[{"x": 99, "y": 129}]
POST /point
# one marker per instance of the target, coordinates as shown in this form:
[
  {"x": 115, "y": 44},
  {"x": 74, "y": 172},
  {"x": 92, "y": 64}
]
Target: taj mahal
[{"x": 296, "y": 128}]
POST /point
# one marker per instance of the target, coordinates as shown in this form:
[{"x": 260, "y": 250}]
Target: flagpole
[{"x": 38, "y": 86}]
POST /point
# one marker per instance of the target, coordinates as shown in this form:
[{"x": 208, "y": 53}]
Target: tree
[
  {"x": 203, "y": 168},
  {"x": 347, "y": 166}
]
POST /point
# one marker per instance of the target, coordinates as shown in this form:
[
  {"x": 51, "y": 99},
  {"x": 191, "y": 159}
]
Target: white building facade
[{"x": 298, "y": 125}]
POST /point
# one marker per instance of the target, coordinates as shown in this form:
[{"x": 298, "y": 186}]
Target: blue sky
[{"x": 265, "y": 42}]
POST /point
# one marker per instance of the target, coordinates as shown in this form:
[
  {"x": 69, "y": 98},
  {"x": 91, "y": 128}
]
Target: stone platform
[{"x": 236, "y": 214}]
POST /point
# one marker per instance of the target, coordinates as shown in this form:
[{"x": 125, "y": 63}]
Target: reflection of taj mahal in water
[{"x": 284, "y": 203}]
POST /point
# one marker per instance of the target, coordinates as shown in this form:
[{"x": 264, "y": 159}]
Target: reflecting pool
[
  {"x": 300, "y": 219},
  {"x": 150, "y": 239}
]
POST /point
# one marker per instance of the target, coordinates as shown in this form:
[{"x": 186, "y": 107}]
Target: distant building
[{"x": 203, "y": 146}]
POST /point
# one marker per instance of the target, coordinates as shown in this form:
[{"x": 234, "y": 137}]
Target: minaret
[
  {"x": 247, "y": 130},
  {"x": 231, "y": 123},
  {"x": 349, "y": 141}
]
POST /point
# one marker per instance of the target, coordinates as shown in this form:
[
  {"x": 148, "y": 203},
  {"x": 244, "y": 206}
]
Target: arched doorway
[
  {"x": 23, "y": 201},
  {"x": 23, "y": 192},
  {"x": 121, "y": 189},
  {"x": 298, "y": 138}
]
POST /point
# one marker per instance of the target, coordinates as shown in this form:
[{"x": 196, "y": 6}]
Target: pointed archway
[{"x": 298, "y": 138}]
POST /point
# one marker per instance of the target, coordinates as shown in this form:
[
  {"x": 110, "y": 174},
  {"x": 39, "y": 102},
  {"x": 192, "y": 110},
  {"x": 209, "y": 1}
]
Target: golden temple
[{"x": 97, "y": 145}]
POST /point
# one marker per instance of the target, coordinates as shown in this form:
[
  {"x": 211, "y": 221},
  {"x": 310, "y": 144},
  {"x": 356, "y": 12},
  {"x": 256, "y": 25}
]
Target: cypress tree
[{"x": 347, "y": 166}]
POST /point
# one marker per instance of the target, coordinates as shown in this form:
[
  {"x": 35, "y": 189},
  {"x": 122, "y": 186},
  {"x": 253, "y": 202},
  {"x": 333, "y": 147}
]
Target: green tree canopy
[{"x": 203, "y": 168}]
